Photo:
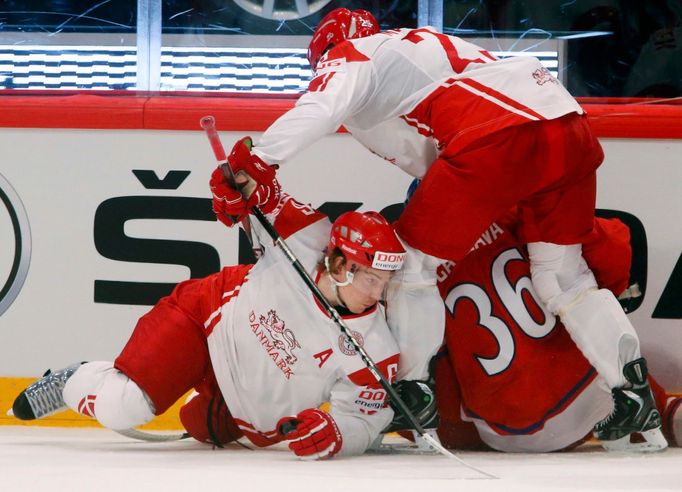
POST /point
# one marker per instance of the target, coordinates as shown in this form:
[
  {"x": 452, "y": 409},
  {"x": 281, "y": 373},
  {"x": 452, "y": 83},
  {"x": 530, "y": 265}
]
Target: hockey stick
[
  {"x": 208, "y": 125},
  {"x": 303, "y": 274},
  {"x": 151, "y": 437}
]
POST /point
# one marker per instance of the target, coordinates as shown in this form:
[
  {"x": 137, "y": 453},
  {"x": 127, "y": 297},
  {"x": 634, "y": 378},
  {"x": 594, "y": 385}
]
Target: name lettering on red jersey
[
  {"x": 323, "y": 356},
  {"x": 444, "y": 269},
  {"x": 493, "y": 232}
]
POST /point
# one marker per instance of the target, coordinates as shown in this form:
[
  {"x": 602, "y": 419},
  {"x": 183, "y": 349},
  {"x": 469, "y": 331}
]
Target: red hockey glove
[
  {"x": 228, "y": 204},
  {"x": 312, "y": 434},
  {"x": 267, "y": 192},
  {"x": 207, "y": 419},
  {"x": 261, "y": 190}
]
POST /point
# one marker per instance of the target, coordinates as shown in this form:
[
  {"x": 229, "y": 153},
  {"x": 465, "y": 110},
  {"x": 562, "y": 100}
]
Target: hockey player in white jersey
[
  {"x": 254, "y": 342},
  {"x": 484, "y": 134}
]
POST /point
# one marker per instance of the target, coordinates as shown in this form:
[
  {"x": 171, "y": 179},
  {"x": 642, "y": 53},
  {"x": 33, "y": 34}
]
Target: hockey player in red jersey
[
  {"x": 253, "y": 341},
  {"x": 510, "y": 377},
  {"x": 484, "y": 134}
]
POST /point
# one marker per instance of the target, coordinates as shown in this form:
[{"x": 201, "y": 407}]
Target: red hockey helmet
[
  {"x": 337, "y": 26},
  {"x": 368, "y": 240}
]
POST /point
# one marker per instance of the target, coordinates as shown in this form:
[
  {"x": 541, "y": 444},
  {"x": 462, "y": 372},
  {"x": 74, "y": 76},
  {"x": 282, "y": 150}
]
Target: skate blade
[
  {"x": 655, "y": 442},
  {"x": 390, "y": 446},
  {"x": 394, "y": 448}
]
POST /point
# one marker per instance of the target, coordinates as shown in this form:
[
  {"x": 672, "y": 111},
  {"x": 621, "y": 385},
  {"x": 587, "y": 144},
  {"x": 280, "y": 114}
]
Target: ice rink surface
[{"x": 68, "y": 459}]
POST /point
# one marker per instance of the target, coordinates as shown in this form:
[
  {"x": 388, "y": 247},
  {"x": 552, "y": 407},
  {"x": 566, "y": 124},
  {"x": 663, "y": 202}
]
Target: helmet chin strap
[{"x": 335, "y": 284}]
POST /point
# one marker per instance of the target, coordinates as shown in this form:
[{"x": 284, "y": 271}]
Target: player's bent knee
[
  {"x": 80, "y": 390},
  {"x": 121, "y": 404},
  {"x": 99, "y": 390}
]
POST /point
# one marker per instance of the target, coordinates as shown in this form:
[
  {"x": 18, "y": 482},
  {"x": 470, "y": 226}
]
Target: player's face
[{"x": 367, "y": 288}]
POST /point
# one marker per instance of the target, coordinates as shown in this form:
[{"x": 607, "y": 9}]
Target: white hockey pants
[{"x": 592, "y": 316}]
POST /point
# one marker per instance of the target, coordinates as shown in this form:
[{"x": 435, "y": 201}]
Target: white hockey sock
[
  {"x": 594, "y": 318},
  {"x": 100, "y": 391},
  {"x": 604, "y": 334}
]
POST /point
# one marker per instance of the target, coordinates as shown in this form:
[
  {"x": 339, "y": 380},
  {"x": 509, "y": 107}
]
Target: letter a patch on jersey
[{"x": 323, "y": 356}]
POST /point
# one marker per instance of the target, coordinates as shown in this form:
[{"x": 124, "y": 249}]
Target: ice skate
[
  {"x": 634, "y": 412},
  {"x": 420, "y": 398},
  {"x": 44, "y": 397}
]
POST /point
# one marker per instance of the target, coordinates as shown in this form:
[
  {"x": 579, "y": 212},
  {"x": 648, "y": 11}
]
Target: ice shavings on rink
[{"x": 68, "y": 459}]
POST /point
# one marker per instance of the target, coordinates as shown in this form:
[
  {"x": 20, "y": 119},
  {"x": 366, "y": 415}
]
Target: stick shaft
[{"x": 208, "y": 124}]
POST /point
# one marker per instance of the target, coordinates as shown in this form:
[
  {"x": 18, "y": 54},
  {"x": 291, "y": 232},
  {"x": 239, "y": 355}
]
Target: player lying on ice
[
  {"x": 509, "y": 376},
  {"x": 255, "y": 335}
]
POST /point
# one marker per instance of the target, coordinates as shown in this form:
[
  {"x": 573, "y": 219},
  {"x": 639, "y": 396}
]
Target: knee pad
[{"x": 99, "y": 390}]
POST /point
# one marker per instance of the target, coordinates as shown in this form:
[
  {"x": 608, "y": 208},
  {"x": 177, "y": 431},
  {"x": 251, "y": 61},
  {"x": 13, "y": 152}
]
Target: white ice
[{"x": 68, "y": 459}]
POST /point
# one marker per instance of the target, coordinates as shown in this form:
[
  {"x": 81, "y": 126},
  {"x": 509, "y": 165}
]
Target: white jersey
[
  {"x": 276, "y": 352},
  {"x": 409, "y": 95}
]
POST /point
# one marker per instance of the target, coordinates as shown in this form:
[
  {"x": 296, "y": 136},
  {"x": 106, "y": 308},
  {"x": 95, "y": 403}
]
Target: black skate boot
[
  {"x": 634, "y": 411},
  {"x": 44, "y": 397},
  {"x": 420, "y": 399}
]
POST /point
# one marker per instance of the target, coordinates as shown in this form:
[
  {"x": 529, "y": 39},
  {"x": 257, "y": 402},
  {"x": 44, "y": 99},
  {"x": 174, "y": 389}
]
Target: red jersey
[{"x": 515, "y": 363}]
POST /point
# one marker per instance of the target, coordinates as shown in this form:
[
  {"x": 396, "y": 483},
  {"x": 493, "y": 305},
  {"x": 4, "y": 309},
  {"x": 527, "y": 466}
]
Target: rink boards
[{"x": 105, "y": 205}]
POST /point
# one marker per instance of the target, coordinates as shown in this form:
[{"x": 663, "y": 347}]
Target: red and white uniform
[
  {"x": 511, "y": 368},
  {"x": 273, "y": 349},
  {"x": 392, "y": 92},
  {"x": 424, "y": 100}
]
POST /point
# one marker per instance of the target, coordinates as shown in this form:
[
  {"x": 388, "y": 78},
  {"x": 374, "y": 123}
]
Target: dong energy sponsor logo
[
  {"x": 388, "y": 261},
  {"x": 15, "y": 245}
]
